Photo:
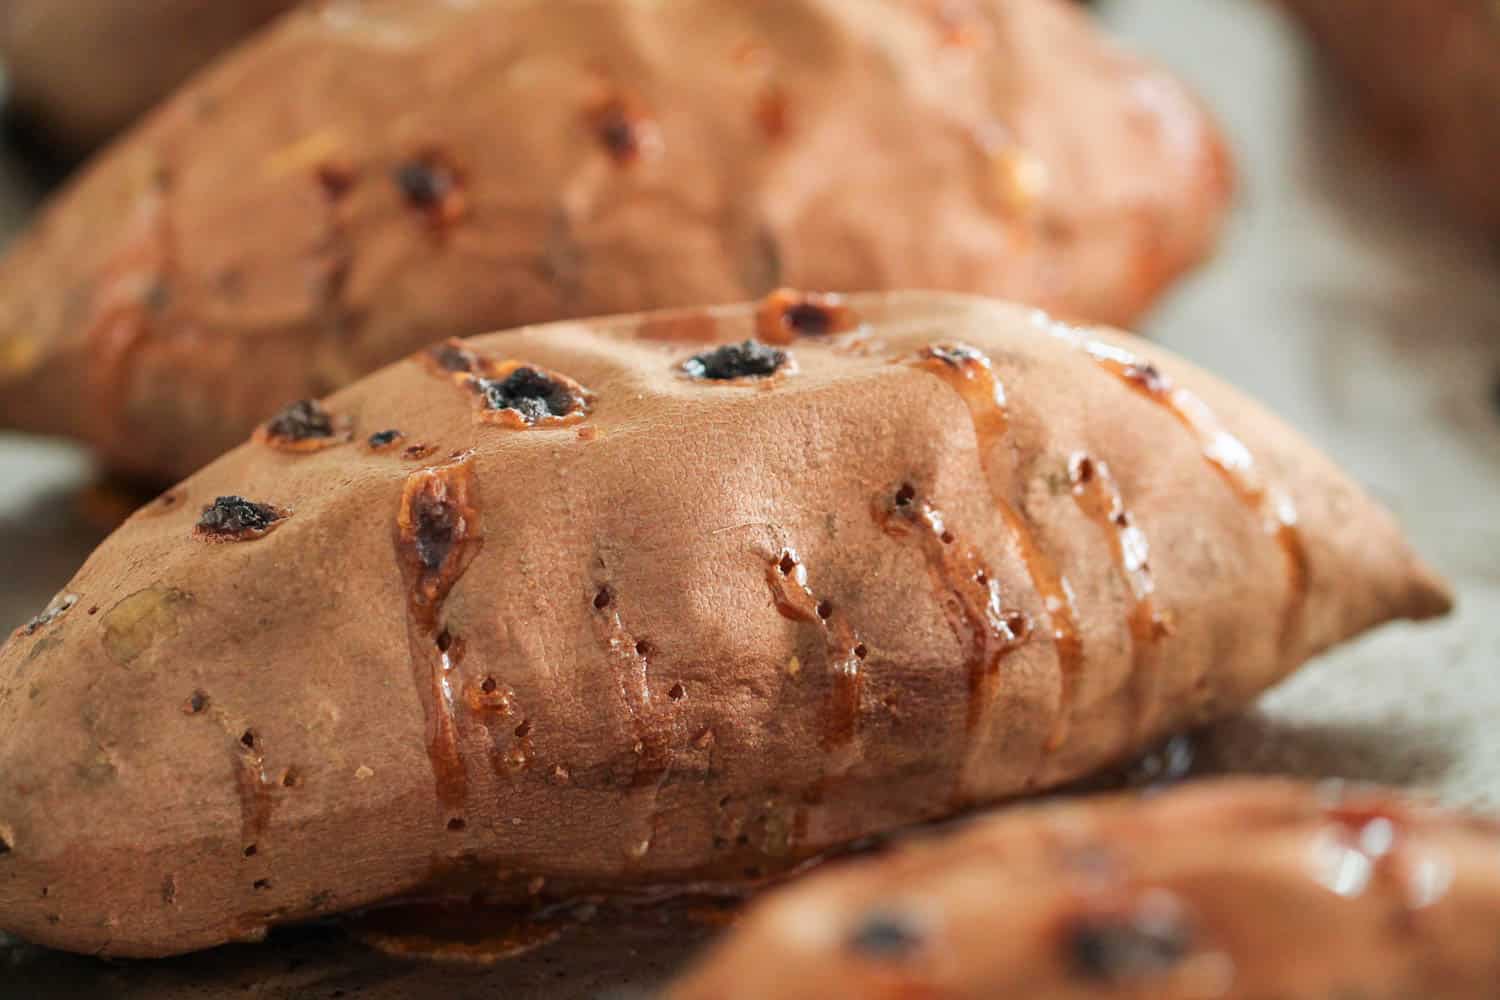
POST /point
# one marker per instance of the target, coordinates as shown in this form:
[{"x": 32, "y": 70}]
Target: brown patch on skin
[
  {"x": 137, "y": 622},
  {"x": 971, "y": 375},
  {"x": 432, "y": 184},
  {"x": 522, "y": 396},
  {"x": 235, "y": 519},
  {"x": 438, "y": 532},
  {"x": 624, "y": 128},
  {"x": 303, "y": 426},
  {"x": 787, "y": 314},
  {"x": 773, "y": 112}
]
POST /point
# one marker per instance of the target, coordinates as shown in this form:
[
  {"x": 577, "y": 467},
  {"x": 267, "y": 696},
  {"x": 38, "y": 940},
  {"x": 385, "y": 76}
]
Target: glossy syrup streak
[
  {"x": 844, "y": 654},
  {"x": 630, "y": 657},
  {"x": 255, "y": 791},
  {"x": 1229, "y": 456},
  {"x": 438, "y": 534},
  {"x": 972, "y": 376},
  {"x": 1098, "y": 496},
  {"x": 976, "y": 615}
]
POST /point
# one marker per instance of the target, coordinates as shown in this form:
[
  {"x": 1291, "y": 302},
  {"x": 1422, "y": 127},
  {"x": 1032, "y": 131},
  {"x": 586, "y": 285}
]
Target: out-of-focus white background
[{"x": 1342, "y": 297}]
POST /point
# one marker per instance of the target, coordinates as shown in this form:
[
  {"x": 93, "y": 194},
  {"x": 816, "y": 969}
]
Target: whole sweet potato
[
  {"x": 1427, "y": 72},
  {"x": 84, "y": 69},
  {"x": 647, "y": 602},
  {"x": 1234, "y": 890},
  {"x": 366, "y": 178}
]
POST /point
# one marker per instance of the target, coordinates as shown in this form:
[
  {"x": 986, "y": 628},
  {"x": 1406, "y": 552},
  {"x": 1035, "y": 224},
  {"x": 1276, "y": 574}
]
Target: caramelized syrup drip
[
  {"x": 453, "y": 932},
  {"x": 1233, "y": 461},
  {"x": 975, "y": 614},
  {"x": 971, "y": 375},
  {"x": 255, "y": 789},
  {"x": 630, "y": 657},
  {"x": 1098, "y": 496},
  {"x": 786, "y": 314},
  {"x": 796, "y": 600},
  {"x": 438, "y": 534}
]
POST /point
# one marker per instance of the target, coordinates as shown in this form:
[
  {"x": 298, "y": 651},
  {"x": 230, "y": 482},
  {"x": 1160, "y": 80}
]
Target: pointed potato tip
[{"x": 1429, "y": 595}]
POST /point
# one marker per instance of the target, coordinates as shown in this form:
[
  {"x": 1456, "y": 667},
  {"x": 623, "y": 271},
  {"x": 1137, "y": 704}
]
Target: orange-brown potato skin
[
  {"x": 666, "y": 630},
  {"x": 1240, "y": 889},
  {"x": 1426, "y": 73},
  {"x": 363, "y": 179}
]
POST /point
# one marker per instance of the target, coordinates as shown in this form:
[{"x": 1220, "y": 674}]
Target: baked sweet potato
[
  {"x": 84, "y": 69},
  {"x": 649, "y": 602},
  {"x": 1427, "y": 72},
  {"x": 361, "y": 181},
  {"x": 1235, "y": 890}
]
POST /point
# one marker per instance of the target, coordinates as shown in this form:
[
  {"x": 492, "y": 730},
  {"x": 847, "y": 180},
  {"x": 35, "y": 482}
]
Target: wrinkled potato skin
[
  {"x": 719, "y": 757},
  {"x": 249, "y": 244},
  {"x": 1427, "y": 73},
  {"x": 1244, "y": 865},
  {"x": 85, "y": 69}
]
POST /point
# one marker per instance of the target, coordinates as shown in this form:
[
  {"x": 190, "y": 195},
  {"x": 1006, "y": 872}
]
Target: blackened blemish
[
  {"x": 381, "y": 440},
  {"x": 432, "y": 185},
  {"x": 233, "y": 518},
  {"x": 748, "y": 359},
  {"x": 247, "y": 739},
  {"x": 533, "y": 395},
  {"x": 196, "y": 703},
  {"x": 623, "y": 128},
  {"x": 1113, "y": 949},
  {"x": 301, "y": 421},
  {"x": 887, "y": 936}
]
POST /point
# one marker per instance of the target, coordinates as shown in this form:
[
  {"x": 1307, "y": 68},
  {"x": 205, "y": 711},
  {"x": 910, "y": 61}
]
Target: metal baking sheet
[{"x": 1342, "y": 297}]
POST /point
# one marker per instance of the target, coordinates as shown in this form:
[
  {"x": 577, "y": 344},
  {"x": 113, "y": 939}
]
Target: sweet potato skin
[
  {"x": 1236, "y": 889},
  {"x": 1427, "y": 75},
  {"x": 678, "y": 631},
  {"x": 85, "y": 69},
  {"x": 365, "y": 179}
]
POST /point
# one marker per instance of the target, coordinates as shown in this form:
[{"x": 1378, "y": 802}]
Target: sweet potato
[
  {"x": 1239, "y": 889},
  {"x": 363, "y": 180},
  {"x": 1427, "y": 72},
  {"x": 648, "y": 602},
  {"x": 84, "y": 69}
]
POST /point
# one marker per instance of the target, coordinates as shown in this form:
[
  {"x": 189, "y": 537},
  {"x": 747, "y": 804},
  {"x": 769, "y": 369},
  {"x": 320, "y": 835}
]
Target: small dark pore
[
  {"x": 444, "y": 641},
  {"x": 197, "y": 702},
  {"x": 457, "y": 824},
  {"x": 677, "y": 693},
  {"x": 643, "y": 647},
  {"x": 251, "y": 851},
  {"x": 247, "y": 738},
  {"x": 524, "y": 729},
  {"x": 787, "y": 564},
  {"x": 861, "y": 651},
  {"x": 261, "y": 884},
  {"x": 905, "y": 495},
  {"x": 336, "y": 179},
  {"x": 5, "y": 847},
  {"x": 602, "y": 597},
  {"x": 748, "y": 359},
  {"x": 301, "y": 421},
  {"x": 489, "y": 686},
  {"x": 1083, "y": 470},
  {"x": 825, "y": 610},
  {"x": 887, "y": 936},
  {"x": 424, "y": 183},
  {"x": 1121, "y": 948}
]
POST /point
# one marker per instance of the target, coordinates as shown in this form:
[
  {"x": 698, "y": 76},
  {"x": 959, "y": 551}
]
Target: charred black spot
[
  {"x": 533, "y": 394},
  {"x": 437, "y": 525},
  {"x": 1118, "y": 948},
  {"x": 424, "y": 183},
  {"x": 229, "y": 516},
  {"x": 748, "y": 359},
  {"x": 384, "y": 439},
  {"x": 197, "y": 703},
  {"x": 887, "y": 936},
  {"x": 300, "y": 421}
]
